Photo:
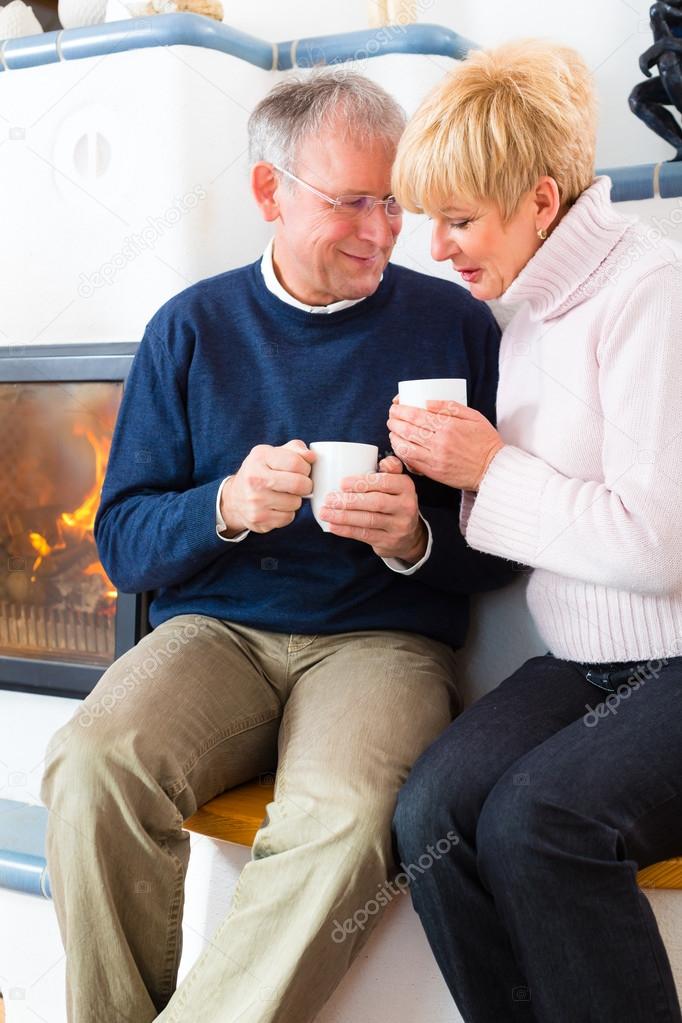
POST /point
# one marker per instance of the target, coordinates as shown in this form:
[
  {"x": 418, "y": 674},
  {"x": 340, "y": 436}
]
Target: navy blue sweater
[{"x": 226, "y": 365}]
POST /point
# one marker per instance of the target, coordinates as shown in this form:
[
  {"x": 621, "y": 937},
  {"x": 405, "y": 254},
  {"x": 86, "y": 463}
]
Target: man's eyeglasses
[{"x": 350, "y": 205}]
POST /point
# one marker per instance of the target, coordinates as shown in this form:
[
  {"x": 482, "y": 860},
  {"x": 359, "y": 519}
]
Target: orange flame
[
  {"x": 84, "y": 515},
  {"x": 42, "y": 546},
  {"x": 82, "y": 518}
]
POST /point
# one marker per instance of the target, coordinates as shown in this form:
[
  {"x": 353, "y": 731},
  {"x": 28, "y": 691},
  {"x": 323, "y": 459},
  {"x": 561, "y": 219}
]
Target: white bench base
[{"x": 395, "y": 977}]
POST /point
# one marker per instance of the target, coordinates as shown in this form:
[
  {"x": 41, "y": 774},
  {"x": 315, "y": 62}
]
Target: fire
[
  {"x": 82, "y": 519},
  {"x": 84, "y": 515},
  {"x": 96, "y": 569},
  {"x": 57, "y": 601},
  {"x": 40, "y": 544}
]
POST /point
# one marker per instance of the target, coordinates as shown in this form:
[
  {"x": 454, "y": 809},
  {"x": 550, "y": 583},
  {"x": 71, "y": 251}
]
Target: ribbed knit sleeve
[{"x": 622, "y": 531}]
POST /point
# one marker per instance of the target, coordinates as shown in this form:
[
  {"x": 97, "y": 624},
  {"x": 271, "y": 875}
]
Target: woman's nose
[{"x": 442, "y": 243}]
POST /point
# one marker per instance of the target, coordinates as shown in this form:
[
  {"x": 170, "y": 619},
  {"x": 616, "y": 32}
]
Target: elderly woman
[{"x": 566, "y": 778}]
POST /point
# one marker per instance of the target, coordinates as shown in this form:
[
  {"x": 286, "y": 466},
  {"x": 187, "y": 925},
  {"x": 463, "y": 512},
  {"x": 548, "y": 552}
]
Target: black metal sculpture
[{"x": 649, "y": 100}]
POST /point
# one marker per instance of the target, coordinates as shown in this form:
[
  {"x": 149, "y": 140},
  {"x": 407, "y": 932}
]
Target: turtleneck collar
[{"x": 559, "y": 274}]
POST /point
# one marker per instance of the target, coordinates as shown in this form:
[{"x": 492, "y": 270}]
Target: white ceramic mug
[
  {"x": 418, "y": 392},
  {"x": 334, "y": 461}
]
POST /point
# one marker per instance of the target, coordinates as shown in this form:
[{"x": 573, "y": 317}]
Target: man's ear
[
  {"x": 547, "y": 202},
  {"x": 264, "y": 185}
]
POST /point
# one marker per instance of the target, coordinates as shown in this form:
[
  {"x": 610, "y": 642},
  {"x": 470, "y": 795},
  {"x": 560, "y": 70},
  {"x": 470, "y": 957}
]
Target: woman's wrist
[{"x": 494, "y": 451}]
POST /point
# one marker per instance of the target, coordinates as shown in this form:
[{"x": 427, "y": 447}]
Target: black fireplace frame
[{"x": 66, "y": 363}]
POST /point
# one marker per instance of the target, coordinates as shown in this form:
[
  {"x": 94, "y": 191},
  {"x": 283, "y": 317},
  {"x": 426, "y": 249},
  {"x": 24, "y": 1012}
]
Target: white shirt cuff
[
  {"x": 397, "y": 565},
  {"x": 220, "y": 524}
]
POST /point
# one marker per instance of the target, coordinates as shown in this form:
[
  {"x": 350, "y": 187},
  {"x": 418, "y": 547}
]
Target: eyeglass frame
[{"x": 337, "y": 202}]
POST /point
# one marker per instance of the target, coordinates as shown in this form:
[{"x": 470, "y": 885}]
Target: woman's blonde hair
[{"x": 501, "y": 120}]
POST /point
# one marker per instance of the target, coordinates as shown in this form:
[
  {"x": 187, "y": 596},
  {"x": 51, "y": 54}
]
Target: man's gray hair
[{"x": 305, "y": 106}]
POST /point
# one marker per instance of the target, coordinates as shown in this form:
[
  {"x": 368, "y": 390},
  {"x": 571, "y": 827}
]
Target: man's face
[{"x": 321, "y": 256}]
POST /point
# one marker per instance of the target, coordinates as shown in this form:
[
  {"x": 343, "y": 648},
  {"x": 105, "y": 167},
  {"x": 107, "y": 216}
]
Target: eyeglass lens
[{"x": 362, "y": 205}]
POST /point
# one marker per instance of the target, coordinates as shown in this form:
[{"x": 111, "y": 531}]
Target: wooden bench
[{"x": 235, "y": 816}]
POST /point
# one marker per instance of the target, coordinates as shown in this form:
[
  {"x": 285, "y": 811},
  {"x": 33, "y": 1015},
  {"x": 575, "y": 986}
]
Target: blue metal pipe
[
  {"x": 195, "y": 30},
  {"x": 136, "y": 34},
  {"x": 141, "y": 33},
  {"x": 429, "y": 39},
  {"x": 638, "y": 182},
  {"x": 22, "y": 848},
  {"x": 22, "y": 872}
]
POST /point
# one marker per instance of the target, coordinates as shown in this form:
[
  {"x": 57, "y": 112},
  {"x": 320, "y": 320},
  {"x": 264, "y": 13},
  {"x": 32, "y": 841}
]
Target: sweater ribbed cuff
[
  {"x": 505, "y": 517},
  {"x": 200, "y": 534},
  {"x": 465, "y": 509}
]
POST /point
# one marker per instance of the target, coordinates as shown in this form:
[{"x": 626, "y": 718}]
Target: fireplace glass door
[{"x": 56, "y": 602}]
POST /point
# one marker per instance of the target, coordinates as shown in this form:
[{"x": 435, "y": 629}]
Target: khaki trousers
[{"x": 198, "y": 706}]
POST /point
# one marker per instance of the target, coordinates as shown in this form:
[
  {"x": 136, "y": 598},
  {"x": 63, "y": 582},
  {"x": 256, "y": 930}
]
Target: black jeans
[{"x": 556, "y": 794}]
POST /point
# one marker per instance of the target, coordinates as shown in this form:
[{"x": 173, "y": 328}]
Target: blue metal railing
[
  {"x": 638, "y": 182},
  {"x": 435, "y": 40},
  {"x": 23, "y": 867},
  {"x": 194, "y": 30},
  {"x": 645, "y": 181}
]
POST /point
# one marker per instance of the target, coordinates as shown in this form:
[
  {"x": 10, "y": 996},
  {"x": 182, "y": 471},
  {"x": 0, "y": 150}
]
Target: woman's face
[{"x": 485, "y": 250}]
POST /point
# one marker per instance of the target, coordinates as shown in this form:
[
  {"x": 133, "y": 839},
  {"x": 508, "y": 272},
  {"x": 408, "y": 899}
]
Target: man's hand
[
  {"x": 268, "y": 488},
  {"x": 379, "y": 509},
  {"x": 450, "y": 442}
]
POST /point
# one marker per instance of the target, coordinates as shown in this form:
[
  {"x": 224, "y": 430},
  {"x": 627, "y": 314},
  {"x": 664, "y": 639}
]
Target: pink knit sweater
[{"x": 588, "y": 490}]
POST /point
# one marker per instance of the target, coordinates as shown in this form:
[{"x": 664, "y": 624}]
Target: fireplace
[{"x": 62, "y": 623}]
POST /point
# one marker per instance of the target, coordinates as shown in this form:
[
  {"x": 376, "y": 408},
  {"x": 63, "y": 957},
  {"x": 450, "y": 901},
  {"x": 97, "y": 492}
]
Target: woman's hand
[{"x": 448, "y": 442}]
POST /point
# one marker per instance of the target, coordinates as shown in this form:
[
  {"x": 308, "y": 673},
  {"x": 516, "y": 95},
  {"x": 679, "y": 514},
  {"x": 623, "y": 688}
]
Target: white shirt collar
[{"x": 273, "y": 285}]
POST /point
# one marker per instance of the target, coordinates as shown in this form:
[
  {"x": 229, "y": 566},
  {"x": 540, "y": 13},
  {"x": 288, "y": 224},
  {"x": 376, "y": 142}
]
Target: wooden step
[
  {"x": 667, "y": 874},
  {"x": 235, "y": 816}
]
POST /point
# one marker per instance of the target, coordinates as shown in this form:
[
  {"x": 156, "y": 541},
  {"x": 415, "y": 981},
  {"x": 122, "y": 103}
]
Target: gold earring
[{"x": 542, "y": 234}]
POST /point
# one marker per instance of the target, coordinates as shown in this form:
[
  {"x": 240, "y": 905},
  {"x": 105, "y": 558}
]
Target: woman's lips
[{"x": 469, "y": 274}]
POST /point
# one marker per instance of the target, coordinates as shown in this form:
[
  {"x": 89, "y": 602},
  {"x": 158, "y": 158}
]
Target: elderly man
[{"x": 328, "y": 653}]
